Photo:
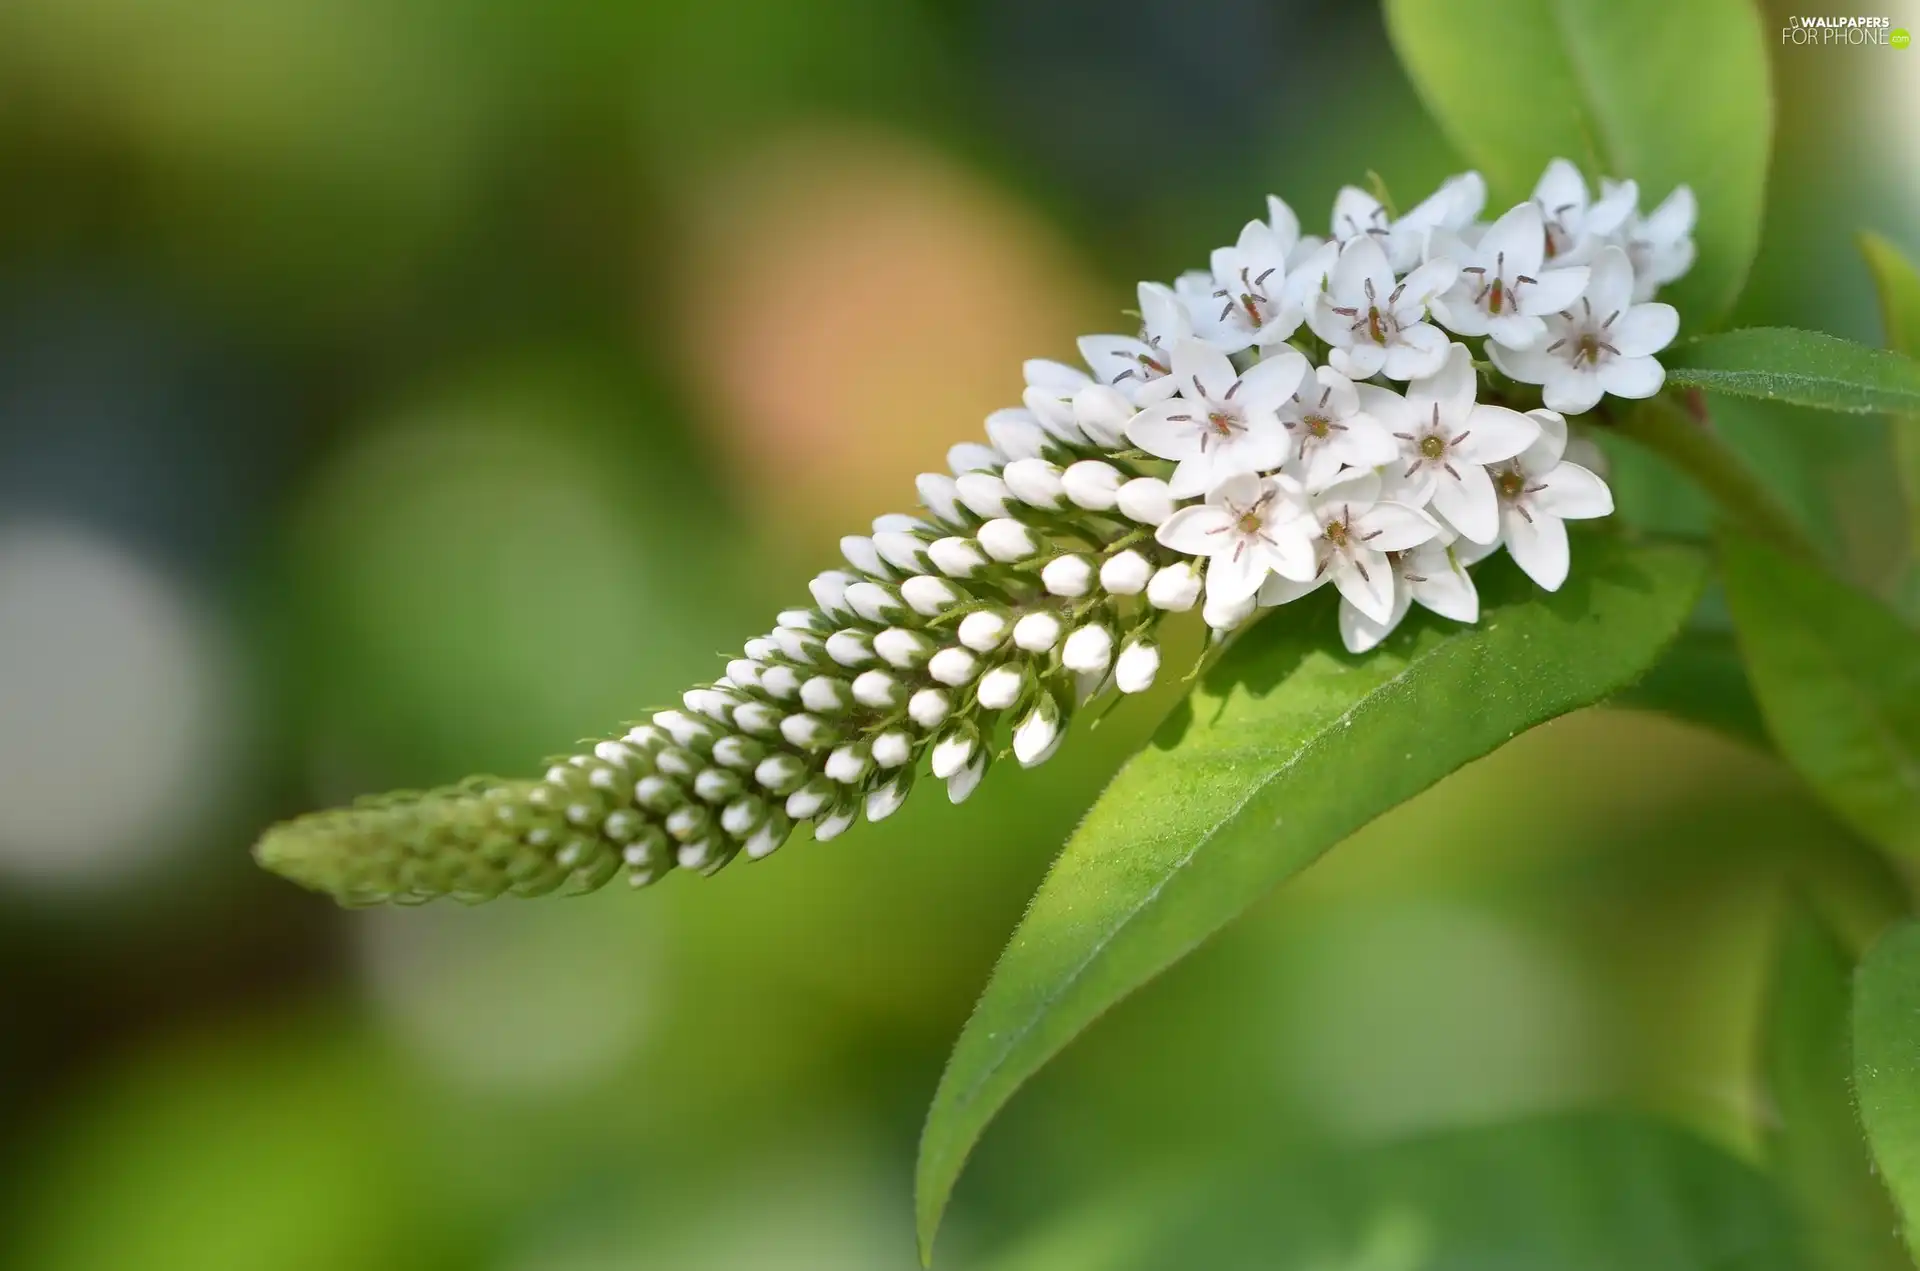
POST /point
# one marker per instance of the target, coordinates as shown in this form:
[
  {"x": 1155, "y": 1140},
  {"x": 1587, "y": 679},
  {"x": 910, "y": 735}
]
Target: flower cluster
[{"x": 1299, "y": 413}]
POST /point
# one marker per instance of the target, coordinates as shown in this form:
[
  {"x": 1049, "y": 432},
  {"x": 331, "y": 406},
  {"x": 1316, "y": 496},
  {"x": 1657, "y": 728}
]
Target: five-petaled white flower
[
  {"x": 1250, "y": 304},
  {"x": 1354, "y": 529},
  {"x": 1431, "y": 575},
  {"x": 1659, "y": 244},
  {"x": 1576, "y": 225},
  {"x": 1373, "y": 324},
  {"x": 1603, "y": 344},
  {"x": 1503, "y": 289},
  {"x": 1539, "y": 493},
  {"x": 1223, "y": 423},
  {"x": 1249, "y": 527},
  {"x": 1331, "y": 431},
  {"x": 1445, "y": 439},
  {"x": 1139, "y": 366}
]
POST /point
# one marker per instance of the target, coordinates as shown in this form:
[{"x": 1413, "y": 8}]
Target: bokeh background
[{"x": 392, "y": 389}]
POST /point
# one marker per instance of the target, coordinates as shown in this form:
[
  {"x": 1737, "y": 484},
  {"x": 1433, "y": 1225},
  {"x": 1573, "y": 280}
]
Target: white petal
[
  {"x": 1632, "y": 376},
  {"x": 1450, "y": 386},
  {"x": 1445, "y": 588},
  {"x": 1519, "y": 236},
  {"x": 1162, "y": 314},
  {"x": 1552, "y": 290},
  {"x": 1360, "y": 362},
  {"x": 1644, "y": 330},
  {"x": 1389, "y": 408},
  {"x": 1571, "y": 390},
  {"x": 1455, "y": 310},
  {"x": 1361, "y": 633},
  {"x": 1281, "y": 590},
  {"x": 1235, "y": 575},
  {"x": 1561, "y": 186},
  {"x": 1395, "y": 527},
  {"x": 1468, "y": 502},
  {"x": 1173, "y": 429},
  {"x": 1529, "y": 366},
  {"x": 1538, "y": 546},
  {"x": 1573, "y": 494},
  {"x": 1056, "y": 377},
  {"x": 1365, "y": 444},
  {"x": 1495, "y": 433},
  {"x": 1366, "y": 580},
  {"x": 1202, "y": 370},
  {"x": 1610, "y": 284},
  {"x": 1290, "y": 552},
  {"x": 1276, "y": 377},
  {"x": 1549, "y": 446},
  {"x": 1355, "y": 212},
  {"x": 1285, "y": 225},
  {"x": 1420, "y": 350},
  {"x": 1423, "y": 284},
  {"x": 1114, "y": 356},
  {"x": 1355, "y": 489},
  {"x": 1361, "y": 261},
  {"x": 1199, "y": 530},
  {"x": 1614, "y": 207},
  {"x": 1516, "y": 331}
]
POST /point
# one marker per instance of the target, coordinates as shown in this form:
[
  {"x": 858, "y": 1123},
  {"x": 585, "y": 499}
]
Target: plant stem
[{"x": 1686, "y": 440}]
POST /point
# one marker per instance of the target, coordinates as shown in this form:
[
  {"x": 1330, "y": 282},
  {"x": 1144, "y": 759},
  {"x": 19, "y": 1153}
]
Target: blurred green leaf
[
  {"x": 1700, "y": 679},
  {"x": 1815, "y": 1146},
  {"x": 1838, "y": 678},
  {"x": 1886, "y": 1065},
  {"x": 1898, "y": 284},
  {"x": 1806, "y": 368},
  {"x": 1578, "y": 1193},
  {"x": 1661, "y": 92},
  {"x": 1287, "y": 749}
]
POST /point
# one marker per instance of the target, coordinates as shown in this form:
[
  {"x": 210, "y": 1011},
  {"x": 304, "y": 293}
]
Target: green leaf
[
  {"x": 1898, "y": 283},
  {"x": 1663, "y": 92},
  {"x": 1815, "y": 1144},
  {"x": 1289, "y": 747},
  {"x": 1838, "y": 678},
  {"x": 1886, "y": 1065},
  {"x": 1700, "y": 679},
  {"x": 1570, "y": 1193},
  {"x": 1804, "y": 368}
]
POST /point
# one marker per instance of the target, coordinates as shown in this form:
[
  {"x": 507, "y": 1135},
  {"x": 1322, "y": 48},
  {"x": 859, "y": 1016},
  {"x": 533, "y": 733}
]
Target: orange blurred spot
[{"x": 856, "y": 304}]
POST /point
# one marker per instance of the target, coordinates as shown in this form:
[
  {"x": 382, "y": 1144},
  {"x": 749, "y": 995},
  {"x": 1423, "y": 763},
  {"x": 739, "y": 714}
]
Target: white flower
[
  {"x": 1603, "y": 344},
  {"x": 1139, "y": 365},
  {"x": 1356, "y": 529},
  {"x": 1445, "y": 438},
  {"x": 1453, "y": 206},
  {"x": 1660, "y": 244},
  {"x": 1330, "y": 430},
  {"x": 1224, "y": 422},
  {"x": 1249, "y": 527},
  {"x": 1375, "y": 324},
  {"x": 1539, "y": 493},
  {"x": 1250, "y": 305},
  {"x": 1431, "y": 575},
  {"x": 1575, "y": 227},
  {"x": 1503, "y": 289}
]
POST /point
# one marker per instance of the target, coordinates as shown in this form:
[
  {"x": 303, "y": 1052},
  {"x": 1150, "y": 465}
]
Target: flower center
[
  {"x": 1249, "y": 522},
  {"x": 1222, "y": 423},
  {"x": 1336, "y": 533},
  {"x": 1510, "y": 483},
  {"x": 1433, "y": 446},
  {"x": 1318, "y": 426}
]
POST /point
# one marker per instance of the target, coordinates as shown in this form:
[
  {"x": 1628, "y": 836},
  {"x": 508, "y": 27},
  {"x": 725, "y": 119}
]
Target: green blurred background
[{"x": 392, "y": 389}]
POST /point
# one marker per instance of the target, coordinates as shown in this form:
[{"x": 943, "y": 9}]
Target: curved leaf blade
[
  {"x": 1838, "y": 679},
  {"x": 1814, "y": 1142},
  {"x": 1886, "y": 1065},
  {"x": 1898, "y": 284},
  {"x": 1700, "y": 679},
  {"x": 1285, "y": 750},
  {"x": 1804, "y": 368},
  {"x": 1661, "y": 92}
]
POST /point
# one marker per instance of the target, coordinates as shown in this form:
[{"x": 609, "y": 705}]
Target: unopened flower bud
[
  {"x": 892, "y": 748},
  {"x": 902, "y": 550},
  {"x": 1125, "y": 574},
  {"x": 1034, "y": 482},
  {"x": 1036, "y": 736},
  {"x": 1225, "y": 616},
  {"x": 862, "y": 554},
  {"x": 1068, "y": 576},
  {"x": 1037, "y": 632},
  {"x": 824, "y": 695},
  {"x": 1088, "y": 649},
  {"x": 1000, "y": 687},
  {"x": 953, "y": 749},
  {"x": 953, "y": 667},
  {"x": 971, "y": 456},
  {"x": 850, "y": 647},
  {"x": 1103, "y": 412},
  {"x": 928, "y": 708},
  {"x": 873, "y": 601},
  {"x": 1174, "y": 588},
  {"x": 1016, "y": 434},
  {"x": 983, "y": 630},
  {"x": 876, "y": 689},
  {"x": 1146, "y": 500},
  {"x": 955, "y": 557},
  {"x": 927, "y": 595},
  {"x": 1092, "y": 484},
  {"x": 897, "y": 646},
  {"x": 1138, "y": 663},
  {"x": 1007, "y": 540}
]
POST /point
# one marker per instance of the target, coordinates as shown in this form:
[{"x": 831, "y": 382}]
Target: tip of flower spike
[{"x": 471, "y": 842}]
